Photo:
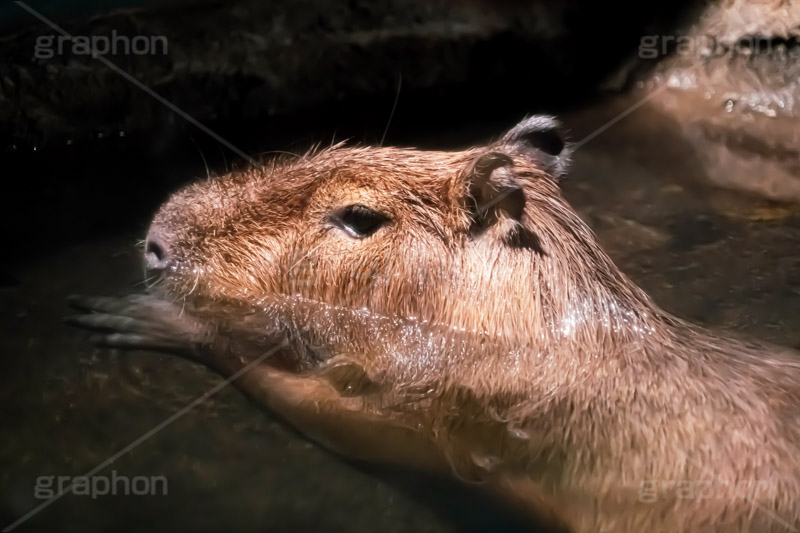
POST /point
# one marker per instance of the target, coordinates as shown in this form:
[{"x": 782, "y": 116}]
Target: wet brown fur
[{"x": 508, "y": 345}]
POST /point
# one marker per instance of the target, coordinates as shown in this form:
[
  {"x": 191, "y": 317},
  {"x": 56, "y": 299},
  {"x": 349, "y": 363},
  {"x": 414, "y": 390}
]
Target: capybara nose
[{"x": 156, "y": 252}]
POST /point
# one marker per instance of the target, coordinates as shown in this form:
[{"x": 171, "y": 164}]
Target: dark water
[{"x": 713, "y": 256}]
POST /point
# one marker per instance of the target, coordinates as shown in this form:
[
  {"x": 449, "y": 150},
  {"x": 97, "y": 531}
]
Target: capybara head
[{"x": 461, "y": 238}]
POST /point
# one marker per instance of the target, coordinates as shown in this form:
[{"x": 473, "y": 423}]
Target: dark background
[
  {"x": 86, "y": 157},
  {"x": 323, "y": 71}
]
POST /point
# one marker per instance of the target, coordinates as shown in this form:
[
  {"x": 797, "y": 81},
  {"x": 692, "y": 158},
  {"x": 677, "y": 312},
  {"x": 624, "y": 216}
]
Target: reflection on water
[{"x": 708, "y": 255}]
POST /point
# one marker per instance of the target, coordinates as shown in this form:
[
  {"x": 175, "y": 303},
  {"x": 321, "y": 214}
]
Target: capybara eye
[{"x": 359, "y": 221}]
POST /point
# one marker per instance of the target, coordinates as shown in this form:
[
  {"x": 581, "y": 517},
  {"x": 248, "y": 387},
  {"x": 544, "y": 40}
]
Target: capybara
[{"x": 450, "y": 312}]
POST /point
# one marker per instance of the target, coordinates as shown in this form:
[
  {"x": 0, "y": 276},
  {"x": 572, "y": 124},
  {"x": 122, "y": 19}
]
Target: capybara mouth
[
  {"x": 169, "y": 282},
  {"x": 170, "y": 277}
]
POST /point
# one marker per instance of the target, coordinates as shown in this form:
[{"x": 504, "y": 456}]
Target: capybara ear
[
  {"x": 540, "y": 139},
  {"x": 494, "y": 189}
]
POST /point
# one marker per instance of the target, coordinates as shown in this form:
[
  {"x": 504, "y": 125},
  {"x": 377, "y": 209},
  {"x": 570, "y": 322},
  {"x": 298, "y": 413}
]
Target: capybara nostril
[{"x": 156, "y": 253}]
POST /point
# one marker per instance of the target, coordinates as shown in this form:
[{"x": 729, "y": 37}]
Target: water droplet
[{"x": 729, "y": 105}]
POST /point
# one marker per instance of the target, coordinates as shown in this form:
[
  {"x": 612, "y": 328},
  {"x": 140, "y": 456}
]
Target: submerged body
[{"x": 450, "y": 312}]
